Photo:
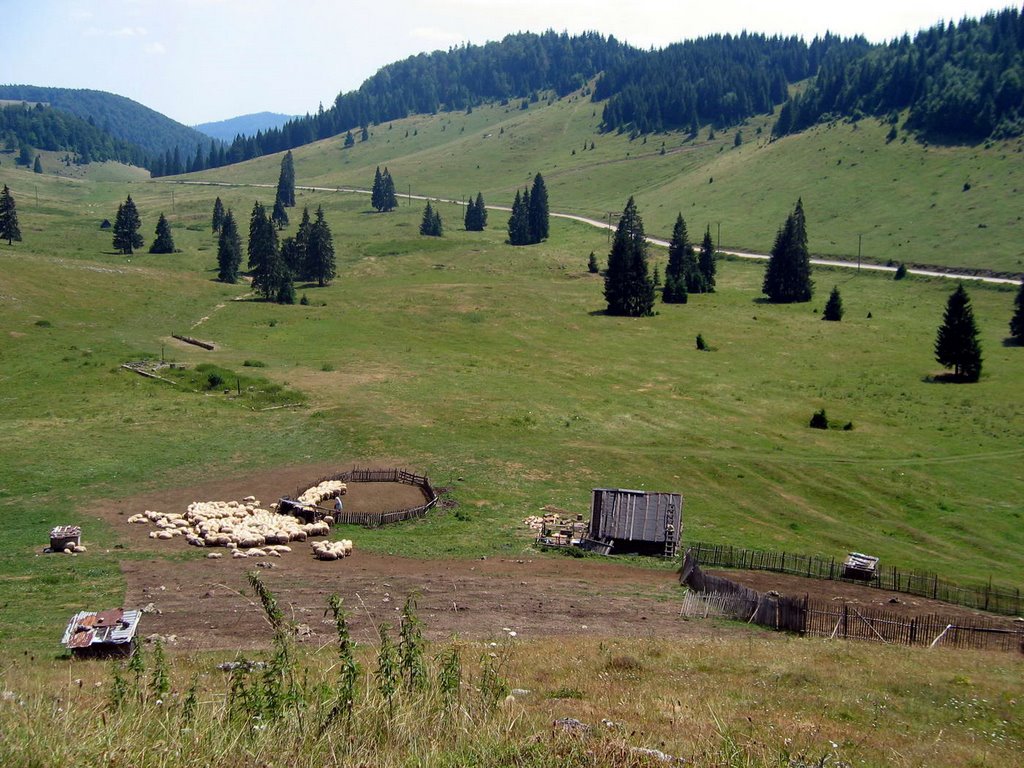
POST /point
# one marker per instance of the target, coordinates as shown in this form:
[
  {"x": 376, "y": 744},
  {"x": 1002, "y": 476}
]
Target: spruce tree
[
  {"x": 481, "y": 212},
  {"x": 303, "y": 270},
  {"x": 9, "y": 229},
  {"x": 956, "y": 344},
  {"x": 627, "y": 288},
  {"x": 265, "y": 264},
  {"x": 538, "y": 210},
  {"x": 229, "y": 250},
  {"x": 377, "y": 192},
  {"x": 38, "y": 167},
  {"x": 286, "y": 181},
  {"x": 707, "y": 262},
  {"x": 218, "y": 215},
  {"x": 320, "y": 262},
  {"x": 286, "y": 288},
  {"x": 126, "y": 227},
  {"x": 676, "y": 289},
  {"x": 431, "y": 223},
  {"x": 787, "y": 278},
  {"x": 469, "y": 221},
  {"x": 592, "y": 267},
  {"x": 279, "y": 215},
  {"x": 389, "y": 198},
  {"x": 518, "y": 222},
  {"x": 834, "y": 306},
  {"x": 164, "y": 242},
  {"x": 1016, "y": 322}
]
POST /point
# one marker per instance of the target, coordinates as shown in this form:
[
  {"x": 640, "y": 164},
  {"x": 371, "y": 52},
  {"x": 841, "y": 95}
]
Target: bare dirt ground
[
  {"x": 205, "y": 603},
  {"x": 854, "y": 594}
]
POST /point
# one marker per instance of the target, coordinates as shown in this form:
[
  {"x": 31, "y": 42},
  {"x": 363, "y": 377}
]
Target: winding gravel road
[{"x": 840, "y": 263}]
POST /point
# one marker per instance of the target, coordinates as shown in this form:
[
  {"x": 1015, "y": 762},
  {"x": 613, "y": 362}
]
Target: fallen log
[{"x": 194, "y": 342}]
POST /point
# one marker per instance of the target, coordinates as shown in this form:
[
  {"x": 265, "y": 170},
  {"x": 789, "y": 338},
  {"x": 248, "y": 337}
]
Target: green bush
[{"x": 819, "y": 420}]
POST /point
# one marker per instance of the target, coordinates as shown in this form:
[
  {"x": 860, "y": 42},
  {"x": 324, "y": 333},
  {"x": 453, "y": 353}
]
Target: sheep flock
[{"x": 248, "y": 530}]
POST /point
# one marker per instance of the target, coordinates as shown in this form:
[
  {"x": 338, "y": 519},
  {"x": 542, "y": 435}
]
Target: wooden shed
[
  {"x": 643, "y": 522},
  {"x": 109, "y": 631}
]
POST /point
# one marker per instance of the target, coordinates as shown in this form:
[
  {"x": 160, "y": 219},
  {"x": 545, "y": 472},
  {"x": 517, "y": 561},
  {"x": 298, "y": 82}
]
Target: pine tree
[
  {"x": 787, "y": 278},
  {"x": 303, "y": 270},
  {"x": 286, "y": 181},
  {"x": 38, "y": 167},
  {"x": 389, "y": 199},
  {"x": 320, "y": 262},
  {"x": 286, "y": 289},
  {"x": 164, "y": 242},
  {"x": 1016, "y": 322},
  {"x": 377, "y": 192},
  {"x": 218, "y": 215},
  {"x": 126, "y": 228},
  {"x": 469, "y": 221},
  {"x": 229, "y": 250},
  {"x": 279, "y": 215},
  {"x": 956, "y": 344},
  {"x": 518, "y": 222},
  {"x": 627, "y": 288},
  {"x": 676, "y": 282},
  {"x": 9, "y": 229},
  {"x": 265, "y": 264},
  {"x": 538, "y": 210},
  {"x": 431, "y": 223},
  {"x": 707, "y": 262},
  {"x": 592, "y": 267},
  {"x": 834, "y": 306},
  {"x": 481, "y": 212}
]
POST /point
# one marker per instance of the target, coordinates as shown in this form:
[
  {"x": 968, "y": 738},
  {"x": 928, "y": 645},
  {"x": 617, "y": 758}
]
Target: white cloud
[
  {"x": 119, "y": 32},
  {"x": 155, "y": 49}
]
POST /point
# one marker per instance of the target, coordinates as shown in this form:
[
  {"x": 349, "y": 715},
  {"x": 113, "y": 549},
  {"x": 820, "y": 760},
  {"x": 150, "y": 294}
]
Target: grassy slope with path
[{"x": 907, "y": 200}]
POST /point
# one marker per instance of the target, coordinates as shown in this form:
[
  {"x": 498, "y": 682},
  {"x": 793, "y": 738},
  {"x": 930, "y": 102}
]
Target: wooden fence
[
  {"x": 817, "y": 618},
  {"x": 377, "y": 519},
  {"x": 1002, "y": 600}
]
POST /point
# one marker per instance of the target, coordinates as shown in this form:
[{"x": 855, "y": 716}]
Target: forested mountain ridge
[
  {"x": 719, "y": 80},
  {"x": 118, "y": 116},
  {"x": 26, "y": 128},
  {"x": 958, "y": 83}
]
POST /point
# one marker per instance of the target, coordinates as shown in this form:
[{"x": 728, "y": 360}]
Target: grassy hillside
[
  {"x": 909, "y": 202},
  {"x": 465, "y": 357}
]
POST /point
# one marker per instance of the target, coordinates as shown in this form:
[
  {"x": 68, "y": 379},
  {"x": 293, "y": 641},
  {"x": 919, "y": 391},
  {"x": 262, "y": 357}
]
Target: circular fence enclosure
[{"x": 374, "y": 519}]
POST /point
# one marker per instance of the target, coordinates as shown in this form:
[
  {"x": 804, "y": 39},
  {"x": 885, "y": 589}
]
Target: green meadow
[{"x": 493, "y": 370}]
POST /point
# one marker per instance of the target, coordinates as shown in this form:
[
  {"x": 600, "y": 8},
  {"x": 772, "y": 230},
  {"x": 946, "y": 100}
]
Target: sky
[{"x": 200, "y": 61}]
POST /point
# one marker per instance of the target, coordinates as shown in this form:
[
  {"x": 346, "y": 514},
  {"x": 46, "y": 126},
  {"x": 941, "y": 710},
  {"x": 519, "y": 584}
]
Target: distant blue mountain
[{"x": 246, "y": 125}]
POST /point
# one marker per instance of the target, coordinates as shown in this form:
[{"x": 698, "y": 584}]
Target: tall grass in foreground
[{"x": 741, "y": 698}]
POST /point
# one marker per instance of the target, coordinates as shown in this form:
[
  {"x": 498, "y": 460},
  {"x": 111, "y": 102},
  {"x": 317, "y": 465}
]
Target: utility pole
[
  {"x": 718, "y": 247},
  {"x": 858, "y": 252},
  {"x": 408, "y": 202},
  {"x": 172, "y": 200}
]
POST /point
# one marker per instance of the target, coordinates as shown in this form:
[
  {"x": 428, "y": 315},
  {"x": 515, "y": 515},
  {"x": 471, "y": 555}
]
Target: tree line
[
  {"x": 957, "y": 82},
  {"x": 24, "y": 128},
  {"x": 721, "y": 80}
]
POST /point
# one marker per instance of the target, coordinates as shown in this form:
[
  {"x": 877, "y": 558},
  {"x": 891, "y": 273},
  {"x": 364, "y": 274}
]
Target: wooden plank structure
[
  {"x": 635, "y": 521},
  {"x": 63, "y": 535},
  {"x": 91, "y": 632}
]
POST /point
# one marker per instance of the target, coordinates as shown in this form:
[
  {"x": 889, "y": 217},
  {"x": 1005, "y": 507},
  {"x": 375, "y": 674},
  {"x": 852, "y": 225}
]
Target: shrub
[
  {"x": 819, "y": 420},
  {"x": 701, "y": 344},
  {"x": 901, "y": 272},
  {"x": 214, "y": 380},
  {"x": 254, "y": 364}
]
